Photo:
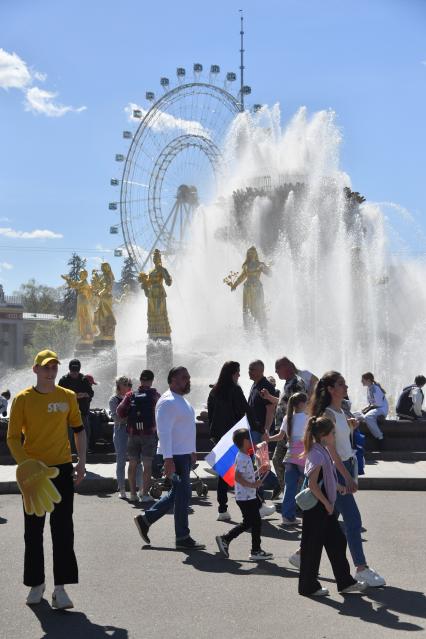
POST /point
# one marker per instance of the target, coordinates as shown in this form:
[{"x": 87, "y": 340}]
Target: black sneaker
[
  {"x": 189, "y": 544},
  {"x": 223, "y": 546},
  {"x": 276, "y": 492},
  {"x": 142, "y": 527}
]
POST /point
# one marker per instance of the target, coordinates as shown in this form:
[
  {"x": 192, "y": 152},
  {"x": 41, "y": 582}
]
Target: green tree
[
  {"x": 69, "y": 303},
  {"x": 38, "y": 298},
  {"x": 129, "y": 274},
  {"x": 57, "y": 335}
]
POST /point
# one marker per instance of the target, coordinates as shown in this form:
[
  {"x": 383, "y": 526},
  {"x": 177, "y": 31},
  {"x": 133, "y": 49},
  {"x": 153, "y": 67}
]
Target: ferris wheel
[{"x": 172, "y": 161}]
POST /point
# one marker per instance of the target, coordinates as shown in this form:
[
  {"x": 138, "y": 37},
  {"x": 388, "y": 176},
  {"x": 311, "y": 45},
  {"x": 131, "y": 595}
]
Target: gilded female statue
[
  {"x": 153, "y": 287},
  {"x": 253, "y": 298},
  {"x": 84, "y": 306},
  {"x": 104, "y": 315}
]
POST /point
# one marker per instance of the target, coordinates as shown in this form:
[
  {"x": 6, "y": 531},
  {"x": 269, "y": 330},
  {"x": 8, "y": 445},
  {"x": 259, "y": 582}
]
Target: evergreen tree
[
  {"x": 69, "y": 304},
  {"x": 129, "y": 274}
]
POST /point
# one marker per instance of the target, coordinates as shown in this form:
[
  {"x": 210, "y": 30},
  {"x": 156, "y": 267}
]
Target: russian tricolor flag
[{"x": 222, "y": 457}]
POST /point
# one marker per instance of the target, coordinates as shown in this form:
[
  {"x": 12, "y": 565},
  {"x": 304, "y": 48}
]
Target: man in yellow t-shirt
[{"x": 42, "y": 414}]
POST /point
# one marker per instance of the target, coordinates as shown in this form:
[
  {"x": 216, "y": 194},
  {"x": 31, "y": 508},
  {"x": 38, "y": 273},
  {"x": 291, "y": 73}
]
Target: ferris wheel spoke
[{"x": 174, "y": 149}]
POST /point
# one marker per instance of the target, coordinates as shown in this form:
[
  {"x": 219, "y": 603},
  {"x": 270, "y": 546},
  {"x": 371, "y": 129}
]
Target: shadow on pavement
[
  {"x": 382, "y": 606},
  {"x": 70, "y": 624},
  {"x": 206, "y": 562},
  {"x": 3, "y": 520}
]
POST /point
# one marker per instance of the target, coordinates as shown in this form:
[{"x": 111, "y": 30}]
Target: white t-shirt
[
  {"x": 343, "y": 435},
  {"x": 175, "y": 420},
  {"x": 307, "y": 378},
  {"x": 377, "y": 397},
  {"x": 244, "y": 465},
  {"x": 298, "y": 426}
]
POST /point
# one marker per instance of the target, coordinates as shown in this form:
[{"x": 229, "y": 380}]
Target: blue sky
[{"x": 366, "y": 59}]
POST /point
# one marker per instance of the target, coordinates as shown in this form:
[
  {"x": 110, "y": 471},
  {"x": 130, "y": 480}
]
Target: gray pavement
[{"x": 126, "y": 591}]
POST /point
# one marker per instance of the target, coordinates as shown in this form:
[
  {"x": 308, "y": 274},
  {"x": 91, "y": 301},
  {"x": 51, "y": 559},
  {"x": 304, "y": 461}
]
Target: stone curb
[{"x": 108, "y": 484}]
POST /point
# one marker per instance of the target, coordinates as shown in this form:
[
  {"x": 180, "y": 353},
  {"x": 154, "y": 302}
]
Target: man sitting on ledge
[{"x": 409, "y": 405}]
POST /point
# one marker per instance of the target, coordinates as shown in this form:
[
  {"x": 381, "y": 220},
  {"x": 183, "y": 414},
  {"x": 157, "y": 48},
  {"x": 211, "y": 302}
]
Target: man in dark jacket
[{"x": 82, "y": 387}]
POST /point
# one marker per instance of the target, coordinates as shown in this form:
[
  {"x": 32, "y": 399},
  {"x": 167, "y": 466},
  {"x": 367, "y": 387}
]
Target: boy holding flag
[{"x": 246, "y": 498}]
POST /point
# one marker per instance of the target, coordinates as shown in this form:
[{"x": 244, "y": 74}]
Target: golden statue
[
  {"x": 153, "y": 287},
  {"x": 253, "y": 298},
  {"x": 104, "y": 315},
  {"x": 84, "y": 306}
]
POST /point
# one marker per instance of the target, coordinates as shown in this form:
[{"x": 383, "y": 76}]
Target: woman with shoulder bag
[
  {"x": 326, "y": 401},
  {"x": 320, "y": 526}
]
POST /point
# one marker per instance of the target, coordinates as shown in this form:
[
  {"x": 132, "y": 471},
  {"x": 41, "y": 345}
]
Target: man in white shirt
[{"x": 175, "y": 418}]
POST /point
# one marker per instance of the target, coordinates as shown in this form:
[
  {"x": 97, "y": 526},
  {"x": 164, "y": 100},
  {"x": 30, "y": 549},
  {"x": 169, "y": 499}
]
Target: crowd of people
[{"x": 309, "y": 422}]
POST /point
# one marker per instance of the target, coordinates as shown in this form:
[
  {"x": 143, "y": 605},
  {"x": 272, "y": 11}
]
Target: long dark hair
[
  {"x": 316, "y": 428},
  {"x": 293, "y": 402},
  {"x": 321, "y": 398},
  {"x": 225, "y": 383},
  {"x": 370, "y": 378}
]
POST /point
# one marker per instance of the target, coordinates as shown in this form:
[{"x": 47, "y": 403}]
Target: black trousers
[
  {"x": 251, "y": 519},
  {"x": 321, "y": 530},
  {"x": 65, "y": 569},
  {"x": 222, "y": 495}
]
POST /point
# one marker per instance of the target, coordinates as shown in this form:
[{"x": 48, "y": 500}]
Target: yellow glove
[{"x": 39, "y": 493}]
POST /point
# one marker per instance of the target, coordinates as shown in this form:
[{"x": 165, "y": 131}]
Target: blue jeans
[
  {"x": 347, "y": 507},
  {"x": 293, "y": 474},
  {"x": 178, "y": 496},
  {"x": 119, "y": 439},
  {"x": 271, "y": 480}
]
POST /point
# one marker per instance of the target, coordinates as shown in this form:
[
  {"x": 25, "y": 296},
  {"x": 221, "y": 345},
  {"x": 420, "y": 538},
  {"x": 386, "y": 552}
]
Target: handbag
[{"x": 306, "y": 499}]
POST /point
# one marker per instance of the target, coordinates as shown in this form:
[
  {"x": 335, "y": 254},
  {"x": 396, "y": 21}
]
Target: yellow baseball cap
[{"x": 45, "y": 357}]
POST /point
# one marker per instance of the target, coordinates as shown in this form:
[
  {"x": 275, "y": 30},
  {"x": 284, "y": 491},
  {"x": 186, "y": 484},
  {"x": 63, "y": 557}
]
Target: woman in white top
[
  {"x": 377, "y": 404},
  {"x": 327, "y": 400},
  {"x": 293, "y": 427}
]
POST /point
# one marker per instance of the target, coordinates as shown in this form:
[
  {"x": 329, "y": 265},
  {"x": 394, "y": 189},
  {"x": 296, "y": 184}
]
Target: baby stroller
[{"x": 161, "y": 483}]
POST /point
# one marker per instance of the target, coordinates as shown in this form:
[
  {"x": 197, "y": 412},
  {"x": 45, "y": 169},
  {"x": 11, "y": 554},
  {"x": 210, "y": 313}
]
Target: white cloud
[
  {"x": 37, "y": 234},
  {"x": 5, "y": 266},
  {"x": 41, "y": 101},
  {"x": 15, "y": 74},
  {"x": 167, "y": 121}
]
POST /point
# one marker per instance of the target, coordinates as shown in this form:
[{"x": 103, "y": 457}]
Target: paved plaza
[{"x": 127, "y": 591}]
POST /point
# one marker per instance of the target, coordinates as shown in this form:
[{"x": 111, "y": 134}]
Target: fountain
[{"x": 336, "y": 297}]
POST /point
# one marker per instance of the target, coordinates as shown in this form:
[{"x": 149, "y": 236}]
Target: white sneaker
[
  {"x": 146, "y": 499},
  {"x": 291, "y": 522},
  {"x": 295, "y": 560},
  {"x": 60, "y": 599},
  {"x": 321, "y": 592},
  {"x": 133, "y": 498},
  {"x": 371, "y": 578},
  {"x": 35, "y": 595},
  {"x": 360, "y": 586},
  {"x": 224, "y": 516},
  {"x": 122, "y": 494},
  {"x": 265, "y": 511},
  {"x": 260, "y": 555}
]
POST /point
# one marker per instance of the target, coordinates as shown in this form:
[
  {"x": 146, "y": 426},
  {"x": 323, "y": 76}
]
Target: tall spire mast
[{"x": 242, "y": 61}]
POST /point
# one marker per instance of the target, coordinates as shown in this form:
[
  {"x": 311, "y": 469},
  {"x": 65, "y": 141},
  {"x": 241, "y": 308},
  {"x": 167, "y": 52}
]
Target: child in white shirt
[{"x": 247, "y": 500}]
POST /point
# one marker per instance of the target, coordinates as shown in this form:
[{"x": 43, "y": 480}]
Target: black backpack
[{"x": 141, "y": 416}]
